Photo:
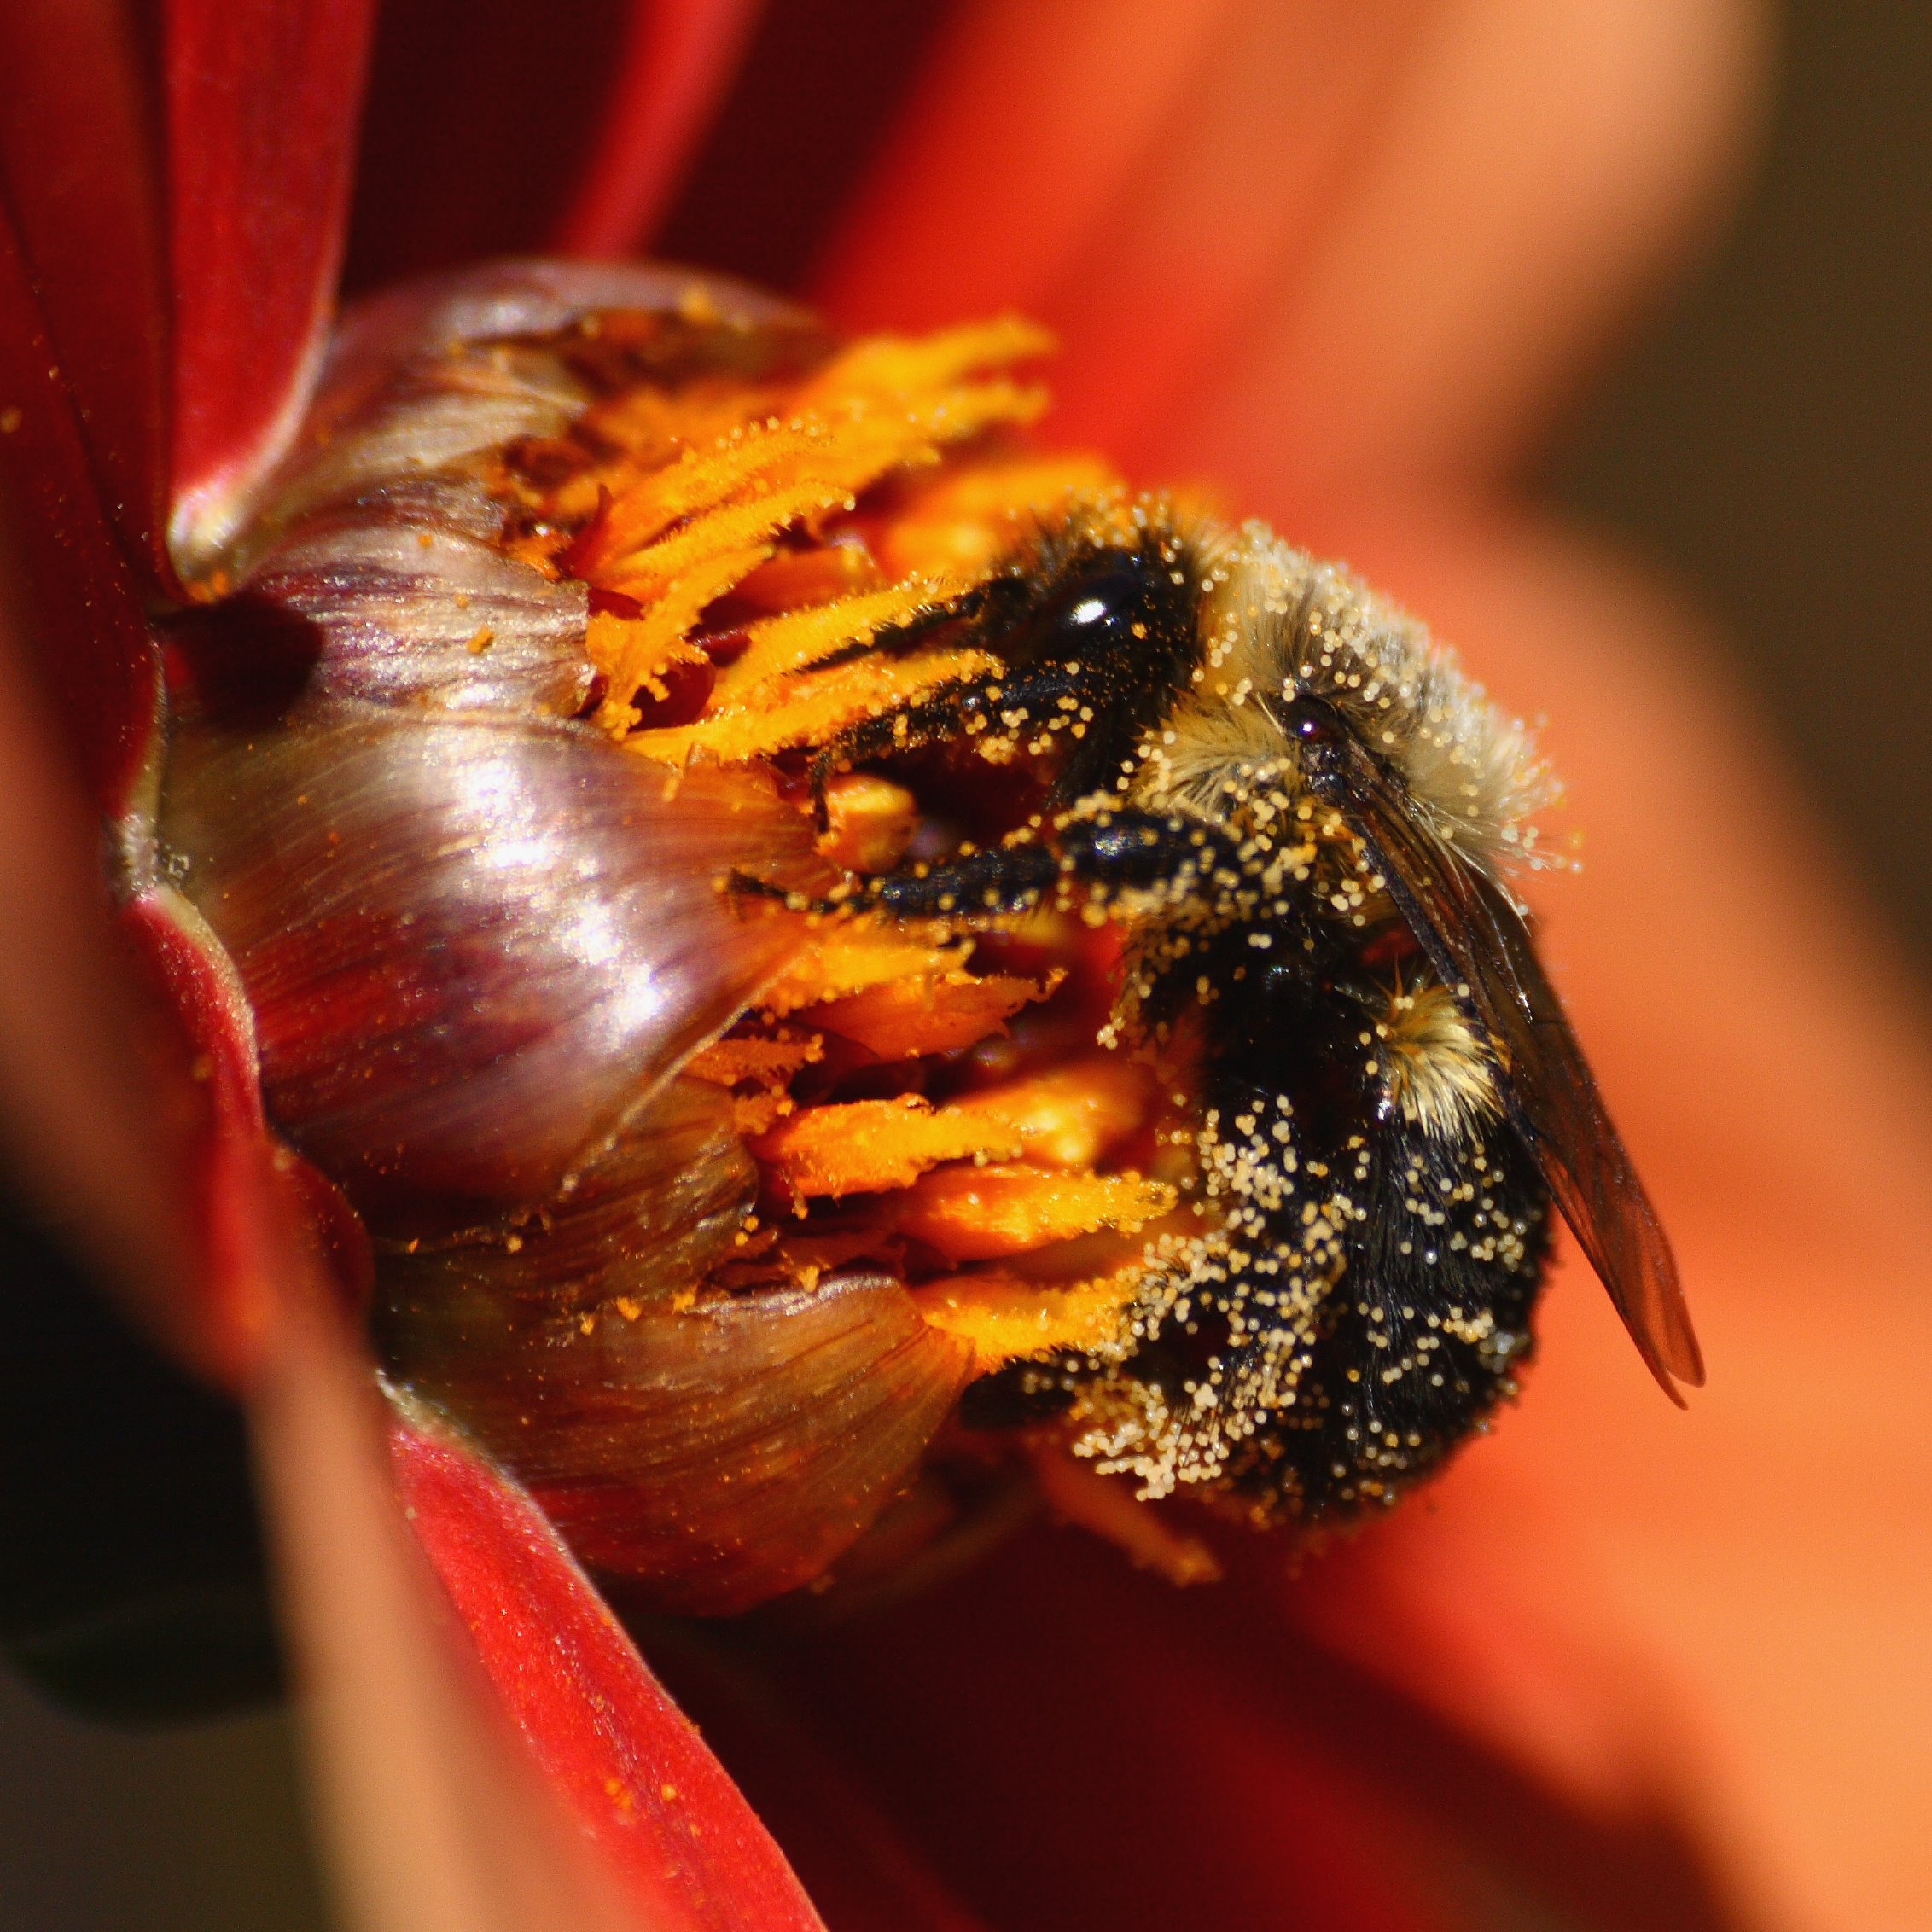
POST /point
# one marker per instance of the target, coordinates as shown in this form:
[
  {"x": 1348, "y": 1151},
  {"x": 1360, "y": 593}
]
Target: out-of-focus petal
[
  {"x": 863, "y": 1873},
  {"x": 1727, "y": 1603},
  {"x": 260, "y": 102},
  {"x": 86, "y": 1110},
  {"x": 480, "y": 115},
  {"x": 79, "y": 155},
  {"x": 678, "y": 57},
  {"x": 1295, "y": 244},
  {"x": 492, "y": 131},
  {"x": 435, "y": 1817},
  {"x": 440, "y": 1815},
  {"x": 1069, "y": 1743}
]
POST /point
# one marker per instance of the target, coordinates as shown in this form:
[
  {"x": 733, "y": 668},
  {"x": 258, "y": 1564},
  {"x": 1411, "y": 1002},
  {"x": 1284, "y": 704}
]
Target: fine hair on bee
[{"x": 1302, "y": 816}]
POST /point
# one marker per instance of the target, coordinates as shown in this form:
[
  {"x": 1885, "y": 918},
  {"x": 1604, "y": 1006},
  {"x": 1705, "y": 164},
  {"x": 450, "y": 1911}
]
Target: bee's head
[{"x": 1294, "y": 651}]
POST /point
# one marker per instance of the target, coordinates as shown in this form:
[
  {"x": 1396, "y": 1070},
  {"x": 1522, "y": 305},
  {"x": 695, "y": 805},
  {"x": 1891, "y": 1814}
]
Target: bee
[
  {"x": 1301, "y": 815},
  {"x": 830, "y": 950}
]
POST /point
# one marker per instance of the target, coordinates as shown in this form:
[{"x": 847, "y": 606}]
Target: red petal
[
  {"x": 82, "y": 606},
  {"x": 84, "y": 1124},
  {"x": 633, "y": 1768},
  {"x": 478, "y": 128},
  {"x": 230, "y": 1161},
  {"x": 484, "y": 138},
  {"x": 1119, "y": 1753},
  {"x": 678, "y": 58},
  {"x": 261, "y": 98},
  {"x": 1289, "y": 245},
  {"x": 77, "y": 147}
]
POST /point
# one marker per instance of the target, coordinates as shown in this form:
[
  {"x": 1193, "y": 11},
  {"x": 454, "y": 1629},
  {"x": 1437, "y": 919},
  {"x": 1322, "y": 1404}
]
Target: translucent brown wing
[{"x": 1477, "y": 942}]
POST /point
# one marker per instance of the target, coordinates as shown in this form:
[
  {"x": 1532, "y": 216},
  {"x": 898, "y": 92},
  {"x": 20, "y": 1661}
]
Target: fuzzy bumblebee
[{"x": 832, "y": 952}]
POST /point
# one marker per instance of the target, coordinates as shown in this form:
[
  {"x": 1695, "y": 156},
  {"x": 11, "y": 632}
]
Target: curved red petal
[
  {"x": 231, "y": 1165},
  {"x": 644, "y": 1784},
  {"x": 260, "y": 101},
  {"x": 79, "y": 154},
  {"x": 679, "y": 59}
]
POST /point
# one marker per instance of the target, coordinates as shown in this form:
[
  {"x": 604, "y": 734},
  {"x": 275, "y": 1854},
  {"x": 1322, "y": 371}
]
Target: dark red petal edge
[
  {"x": 260, "y": 99},
  {"x": 83, "y": 605},
  {"x": 646, "y": 1787},
  {"x": 77, "y": 149},
  {"x": 679, "y": 57}
]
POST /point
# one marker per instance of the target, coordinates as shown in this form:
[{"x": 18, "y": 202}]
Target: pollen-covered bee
[
  {"x": 1297, "y": 811},
  {"x": 829, "y": 949}
]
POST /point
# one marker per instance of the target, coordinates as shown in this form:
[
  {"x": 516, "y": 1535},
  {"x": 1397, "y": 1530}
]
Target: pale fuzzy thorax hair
[
  {"x": 1276, "y": 624},
  {"x": 1433, "y": 1067}
]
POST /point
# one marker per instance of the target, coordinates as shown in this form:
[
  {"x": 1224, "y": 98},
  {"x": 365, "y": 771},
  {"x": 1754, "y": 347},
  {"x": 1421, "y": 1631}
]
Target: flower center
[{"x": 772, "y": 564}]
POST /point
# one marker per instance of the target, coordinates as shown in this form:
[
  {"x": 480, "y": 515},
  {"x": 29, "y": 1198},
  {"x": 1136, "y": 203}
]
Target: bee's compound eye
[
  {"x": 1115, "y": 591},
  {"x": 1310, "y": 722}
]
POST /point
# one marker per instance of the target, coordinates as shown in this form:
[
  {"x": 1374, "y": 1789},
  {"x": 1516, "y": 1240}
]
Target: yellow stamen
[
  {"x": 1006, "y": 1320},
  {"x": 866, "y": 1146},
  {"x": 775, "y": 477},
  {"x": 635, "y": 653},
  {"x": 1069, "y": 1116},
  {"x": 964, "y": 521},
  {"x": 813, "y": 708},
  {"x": 973, "y": 1213},
  {"x": 909, "y": 1017},
  {"x": 899, "y": 366},
  {"x": 799, "y": 638},
  {"x": 810, "y": 518},
  {"x": 847, "y": 958},
  {"x": 726, "y": 1062},
  {"x": 869, "y": 822}
]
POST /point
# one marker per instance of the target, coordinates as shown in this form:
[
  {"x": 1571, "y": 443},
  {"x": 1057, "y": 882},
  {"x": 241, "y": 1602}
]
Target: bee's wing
[{"x": 1477, "y": 942}]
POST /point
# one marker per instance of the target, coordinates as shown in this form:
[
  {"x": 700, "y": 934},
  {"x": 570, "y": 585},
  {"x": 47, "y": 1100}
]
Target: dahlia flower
[{"x": 1334, "y": 265}]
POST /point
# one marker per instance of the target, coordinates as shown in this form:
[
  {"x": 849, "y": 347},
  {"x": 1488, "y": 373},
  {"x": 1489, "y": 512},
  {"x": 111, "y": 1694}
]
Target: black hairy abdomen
[{"x": 1420, "y": 1336}]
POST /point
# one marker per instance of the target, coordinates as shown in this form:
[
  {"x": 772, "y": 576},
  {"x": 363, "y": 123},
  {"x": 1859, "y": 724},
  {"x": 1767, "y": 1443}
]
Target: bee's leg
[
  {"x": 1036, "y": 703},
  {"x": 1084, "y": 861}
]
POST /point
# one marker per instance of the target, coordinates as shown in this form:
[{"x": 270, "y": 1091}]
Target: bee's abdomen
[
  {"x": 1421, "y": 1333},
  {"x": 1439, "y": 1239},
  {"x": 1366, "y": 1297}
]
